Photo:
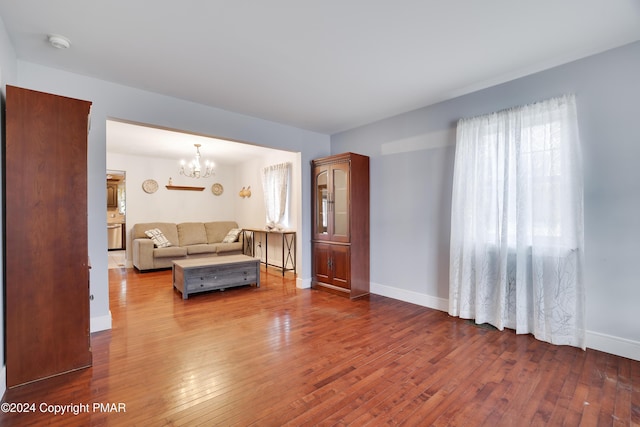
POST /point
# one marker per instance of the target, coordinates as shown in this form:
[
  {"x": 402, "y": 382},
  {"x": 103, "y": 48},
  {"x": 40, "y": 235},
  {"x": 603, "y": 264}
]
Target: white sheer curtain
[
  {"x": 275, "y": 184},
  {"x": 517, "y": 222}
]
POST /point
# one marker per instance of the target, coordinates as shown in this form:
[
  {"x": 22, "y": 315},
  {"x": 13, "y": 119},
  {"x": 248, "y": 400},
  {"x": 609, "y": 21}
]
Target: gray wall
[{"x": 411, "y": 179}]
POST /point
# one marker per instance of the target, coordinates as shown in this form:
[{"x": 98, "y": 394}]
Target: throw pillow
[
  {"x": 232, "y": 235},
  {"x": 158, "y": 238}
]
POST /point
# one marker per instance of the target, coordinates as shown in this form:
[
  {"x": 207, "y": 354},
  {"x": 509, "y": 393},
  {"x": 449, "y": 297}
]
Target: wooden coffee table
[{"x": 205, "y": 274}]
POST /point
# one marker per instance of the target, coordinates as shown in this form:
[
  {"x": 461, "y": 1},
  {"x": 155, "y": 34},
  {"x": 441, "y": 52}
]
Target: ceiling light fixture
[
  {"x": 59, "y": 42},
  {"x": 194, "y": 169}
]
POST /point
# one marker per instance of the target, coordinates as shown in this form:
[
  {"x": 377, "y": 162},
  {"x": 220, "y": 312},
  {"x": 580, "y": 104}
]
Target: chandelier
[{"x": 194, "y": 168}]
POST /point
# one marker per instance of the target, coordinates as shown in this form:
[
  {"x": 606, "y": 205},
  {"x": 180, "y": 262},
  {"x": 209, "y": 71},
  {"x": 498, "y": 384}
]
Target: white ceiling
[
  {"x": 322, "y": 65},
  {"x": 145, "y": 141}
]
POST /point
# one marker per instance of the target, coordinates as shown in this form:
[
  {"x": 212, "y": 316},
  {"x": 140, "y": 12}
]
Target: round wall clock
[
  {"x": 150, "y": 186},
  {"x": 217, "y": 189}
]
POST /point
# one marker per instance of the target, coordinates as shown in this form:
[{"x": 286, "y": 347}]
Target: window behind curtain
[
  {"x": 276, "y": 186},
  {"x": 517, "y": 220}
]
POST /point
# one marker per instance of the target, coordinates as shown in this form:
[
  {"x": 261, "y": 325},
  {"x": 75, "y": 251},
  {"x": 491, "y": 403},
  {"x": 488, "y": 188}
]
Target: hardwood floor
[{"x": 277, "y": 355}]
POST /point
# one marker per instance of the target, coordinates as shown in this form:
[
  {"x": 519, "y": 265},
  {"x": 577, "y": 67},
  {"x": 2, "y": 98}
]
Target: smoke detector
[{"x": 59, "y": 42}]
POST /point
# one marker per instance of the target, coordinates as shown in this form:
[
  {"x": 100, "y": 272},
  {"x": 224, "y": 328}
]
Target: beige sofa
[{"x": 188, "y": 240}]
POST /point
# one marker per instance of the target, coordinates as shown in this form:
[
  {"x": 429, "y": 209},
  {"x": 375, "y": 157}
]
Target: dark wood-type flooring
[{"x": 277, "y": 355}]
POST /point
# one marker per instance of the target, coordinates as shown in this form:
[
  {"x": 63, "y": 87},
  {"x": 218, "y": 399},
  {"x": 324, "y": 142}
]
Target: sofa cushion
[
  {"x": 159, "y": 239},
  {"x": 217, "y": 230},
  {"x": 229, "y": 247},
  {"x": 201, "y": 249},
  {"x": 172, "y": 251},
  {"x": 169, "y": 230},
  {"x": 232, "y": 235},
  {"x": 191, "y": 233}
]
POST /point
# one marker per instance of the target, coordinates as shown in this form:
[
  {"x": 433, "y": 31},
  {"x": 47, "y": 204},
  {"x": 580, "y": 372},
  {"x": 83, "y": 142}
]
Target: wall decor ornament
[
  {"x": 245, "y": 192},
  {"x": 150, "y": 186},
  {"x": 217, "y": 189}
]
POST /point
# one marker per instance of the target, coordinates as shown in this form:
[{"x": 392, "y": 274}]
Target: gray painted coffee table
[{"x": 205, "y": 274}]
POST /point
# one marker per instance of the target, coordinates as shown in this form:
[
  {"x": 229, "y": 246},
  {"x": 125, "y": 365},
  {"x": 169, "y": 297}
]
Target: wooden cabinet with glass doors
[{"x": 340, "y": 241}]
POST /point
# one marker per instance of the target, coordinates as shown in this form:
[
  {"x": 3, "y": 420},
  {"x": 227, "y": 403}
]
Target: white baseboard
[
  {"x": 614, "y": 345},
  {"x": 303, "y": 283},
  {"x": 410, "y": 296},
  {"x": 100, "y": 323},
  {"x": 595, "y": 340}
]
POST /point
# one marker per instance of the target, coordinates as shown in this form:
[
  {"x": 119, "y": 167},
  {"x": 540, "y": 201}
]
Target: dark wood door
[
  {"x": 331, "y": 264},
  {"x": 321, "y": 262},
  {"x": 46, "y": 256},
  {"x": 112, "y": 194},
  {"x": 340, "y": 266}
]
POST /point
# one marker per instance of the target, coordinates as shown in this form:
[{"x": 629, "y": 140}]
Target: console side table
[{"x": 287, "y": 238}]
